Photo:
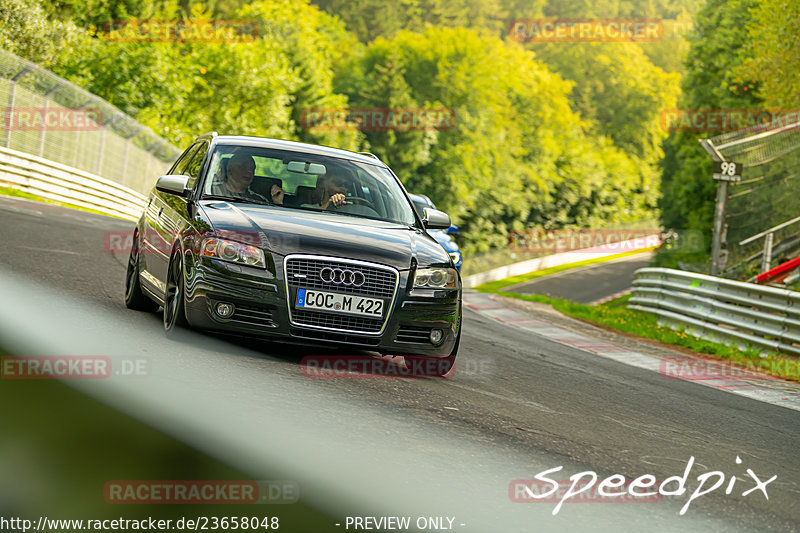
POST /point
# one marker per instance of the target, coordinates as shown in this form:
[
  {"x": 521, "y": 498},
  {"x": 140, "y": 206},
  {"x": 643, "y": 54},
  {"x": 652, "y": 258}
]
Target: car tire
[
  {"x": 135, "y": 298},
  {"x": 174, "y": 303}
]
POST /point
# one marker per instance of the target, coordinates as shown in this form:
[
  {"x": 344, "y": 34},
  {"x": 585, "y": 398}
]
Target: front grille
[
  {"x": 336, "y": 321},
  {"x": 380, "y": 283},
  {"x": 413, "y": 334},
  {"x": 257, "y": 316},
  {"x": 330, "y": 336}
]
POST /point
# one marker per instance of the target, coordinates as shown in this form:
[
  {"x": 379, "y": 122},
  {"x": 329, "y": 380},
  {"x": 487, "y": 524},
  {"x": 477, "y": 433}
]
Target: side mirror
[
  {"x": 174, "y": 184},
  {"x": 435, "y": 219},
  {"x": 452, "y": 230}
]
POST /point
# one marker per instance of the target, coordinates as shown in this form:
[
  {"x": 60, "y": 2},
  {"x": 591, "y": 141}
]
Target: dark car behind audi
[{"x": 295, "y": 242}]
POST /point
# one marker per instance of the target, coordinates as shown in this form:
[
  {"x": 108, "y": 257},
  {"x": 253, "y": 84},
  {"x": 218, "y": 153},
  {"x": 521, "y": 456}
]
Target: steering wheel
[
  {"x": 353, "y": 201},
  {"x": 359, "y": 200}
]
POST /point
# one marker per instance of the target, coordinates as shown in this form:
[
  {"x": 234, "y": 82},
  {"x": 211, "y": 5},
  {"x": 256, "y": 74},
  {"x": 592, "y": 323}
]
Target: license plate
[{"x": 339, "y": 303}]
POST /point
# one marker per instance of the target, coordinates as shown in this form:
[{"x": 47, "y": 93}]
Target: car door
[
  {"x": 156, "y": 240},
  {"x": 176, "y": 216}
]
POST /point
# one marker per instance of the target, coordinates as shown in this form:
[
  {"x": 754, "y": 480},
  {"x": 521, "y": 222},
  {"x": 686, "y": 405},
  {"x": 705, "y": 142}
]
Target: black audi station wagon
[{"x": 295, "y": 242}]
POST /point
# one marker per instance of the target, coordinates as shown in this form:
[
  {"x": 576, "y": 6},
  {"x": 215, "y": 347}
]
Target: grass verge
[{"x": 617, "y": 316}]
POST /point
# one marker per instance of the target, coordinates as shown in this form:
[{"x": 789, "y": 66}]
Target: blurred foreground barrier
[
  {"x": 54, "y": 181},
  {"x": 722, "y": 310}
]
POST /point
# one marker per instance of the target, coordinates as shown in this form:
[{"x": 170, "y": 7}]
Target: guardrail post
[
  {"x": 43, "y": 129},
  {"x": 125, "y": 162},
  {"x": 12, "y": 89},
  {"x": 77, "y": 147},
  {"x": 719, "y": 227},
  {"x": 100, "y": 148},
  {"x": 718, "y": 258},
  {"x": 767, "y": 259}
]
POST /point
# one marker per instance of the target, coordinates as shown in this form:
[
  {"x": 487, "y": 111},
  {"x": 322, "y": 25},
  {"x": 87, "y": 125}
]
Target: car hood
[{"x": 286, "y": 231}]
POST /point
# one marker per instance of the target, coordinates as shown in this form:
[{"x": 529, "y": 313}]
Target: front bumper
[{"x": 261, "y": 301}]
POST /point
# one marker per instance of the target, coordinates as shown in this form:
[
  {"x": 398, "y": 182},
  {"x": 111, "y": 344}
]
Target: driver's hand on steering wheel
[{"x": 336, "y": 200}]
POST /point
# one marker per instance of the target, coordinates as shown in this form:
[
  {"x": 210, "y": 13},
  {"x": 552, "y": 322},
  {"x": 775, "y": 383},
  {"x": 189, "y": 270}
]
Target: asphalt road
[
  {"x": 588, "y": 283},
  {"x": 518, "y": 405}
]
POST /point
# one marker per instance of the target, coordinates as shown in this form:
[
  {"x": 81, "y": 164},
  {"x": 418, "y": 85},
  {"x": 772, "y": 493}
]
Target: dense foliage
[
  {"x": 518, "y": 154},
  {"x": 719, "y": 47},
  {"x": 544, "y": 135},
  {"x": 774, "y": 55}
]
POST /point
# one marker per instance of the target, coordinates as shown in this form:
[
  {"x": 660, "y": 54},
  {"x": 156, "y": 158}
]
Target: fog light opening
[
  {"x": 436, "y": 336},
  {"x": 224, "y": 310}
]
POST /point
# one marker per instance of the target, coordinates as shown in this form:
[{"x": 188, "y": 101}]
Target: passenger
[{"x": 239, "y": 174}]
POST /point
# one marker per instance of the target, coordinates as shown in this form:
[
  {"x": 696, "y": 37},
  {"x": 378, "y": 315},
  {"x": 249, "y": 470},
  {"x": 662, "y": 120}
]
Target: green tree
[
  {"x": 240, "y": 85},
  {"x": 27, "y": 31},
  {"x": 517, "y": 155},
  {"x": 773, "y": 57},
  {"x": 370, "y": 19},
  {"x": 718, "y": 39},
  {"x": 619, "y": 90}
]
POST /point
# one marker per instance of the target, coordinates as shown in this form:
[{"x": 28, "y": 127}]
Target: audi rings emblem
[{"x": 341, "y": 276}]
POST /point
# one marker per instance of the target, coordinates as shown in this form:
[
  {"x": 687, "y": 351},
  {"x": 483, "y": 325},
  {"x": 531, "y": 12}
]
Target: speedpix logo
[{"x": 645, "y": 488}]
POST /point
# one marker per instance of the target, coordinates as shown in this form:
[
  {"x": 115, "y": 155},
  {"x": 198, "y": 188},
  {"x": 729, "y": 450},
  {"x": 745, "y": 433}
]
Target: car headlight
[
  {"x": 456, "y": 257},
  {"x": 234, "y": 252},
  {"x": 435, "y": 278}
]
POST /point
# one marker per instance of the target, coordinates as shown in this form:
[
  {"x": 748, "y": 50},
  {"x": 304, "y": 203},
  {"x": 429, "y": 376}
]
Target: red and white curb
[
  {"x": 759, "y": 387},
  {"x": 620, "y": 294}
]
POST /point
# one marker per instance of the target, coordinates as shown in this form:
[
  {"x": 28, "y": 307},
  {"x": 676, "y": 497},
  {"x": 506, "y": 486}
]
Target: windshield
[{"x": 297, "y": 180}]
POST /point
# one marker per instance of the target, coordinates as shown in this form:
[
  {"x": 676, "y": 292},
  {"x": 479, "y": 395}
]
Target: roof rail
[
  {"x": 210, "y": 134},
  {"x": 370, "y": 154}
]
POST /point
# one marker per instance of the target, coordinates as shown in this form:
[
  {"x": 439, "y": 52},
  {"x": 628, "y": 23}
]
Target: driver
[
  {"x": 239, "y": 174},
  {"x": 331, "y": 189}
]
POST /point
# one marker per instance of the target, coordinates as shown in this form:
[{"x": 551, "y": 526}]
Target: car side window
[
  {"x": 193, "y": 168},
  {"x": 179, "y": 167}
]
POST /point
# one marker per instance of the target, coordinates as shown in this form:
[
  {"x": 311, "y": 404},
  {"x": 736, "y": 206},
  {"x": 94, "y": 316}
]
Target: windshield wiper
[{"x": 233, "y": 199}]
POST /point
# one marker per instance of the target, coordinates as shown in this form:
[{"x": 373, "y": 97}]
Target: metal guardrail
[
  {"x": 43, "y": 115},
  {"x": 562, "y": 258},
  {"x": 762, "y": 200},
  {"x": 68, "y": 185},
  {"x": 722, "y": 310},
  {"x": 769, "y": 238}
]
